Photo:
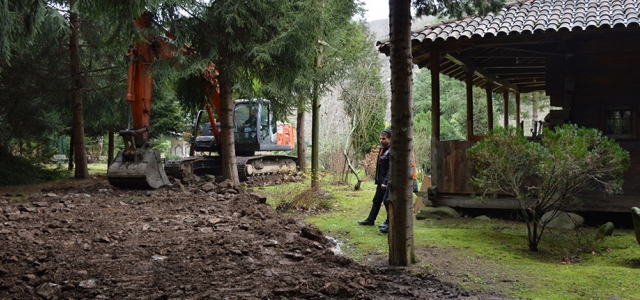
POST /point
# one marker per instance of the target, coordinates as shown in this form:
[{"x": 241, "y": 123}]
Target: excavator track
[{"x": 248, "y": 166}]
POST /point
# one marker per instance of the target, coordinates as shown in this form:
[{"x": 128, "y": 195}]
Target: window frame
[{"x": 633, "y": 133}]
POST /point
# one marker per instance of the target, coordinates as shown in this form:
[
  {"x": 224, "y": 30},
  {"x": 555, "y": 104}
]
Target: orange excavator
[{"x": 256, "y": 130}]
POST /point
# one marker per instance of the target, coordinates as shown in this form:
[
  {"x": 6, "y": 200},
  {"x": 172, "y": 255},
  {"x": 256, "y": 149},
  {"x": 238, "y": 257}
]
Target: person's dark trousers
[
  {"x": 384, "y": 227},
  {"x": 378, "y": 197}
]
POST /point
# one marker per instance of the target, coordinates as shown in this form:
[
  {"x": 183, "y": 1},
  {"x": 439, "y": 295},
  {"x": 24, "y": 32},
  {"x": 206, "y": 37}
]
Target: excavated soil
[{"x": 201, "y": 240}]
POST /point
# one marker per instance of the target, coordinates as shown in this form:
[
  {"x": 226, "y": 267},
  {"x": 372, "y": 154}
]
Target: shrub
[{"x": 568, "y": 161}]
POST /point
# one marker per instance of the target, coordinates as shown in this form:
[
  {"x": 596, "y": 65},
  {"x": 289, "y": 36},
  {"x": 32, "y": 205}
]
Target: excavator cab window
[
  {"x": 264, "y": 122},
  {"x": 246, "y": 117}
]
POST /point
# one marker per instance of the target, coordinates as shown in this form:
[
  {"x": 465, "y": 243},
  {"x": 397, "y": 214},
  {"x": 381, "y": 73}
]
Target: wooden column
[
  {"x": 469, "y": 82},
  {"x": 489, "y": 90},
  {"x": 434, "y": 61},
  {"x": 434, "y": 66},
  {"x": 518, "y": 110},
  {"x": 505, "y": 105}
]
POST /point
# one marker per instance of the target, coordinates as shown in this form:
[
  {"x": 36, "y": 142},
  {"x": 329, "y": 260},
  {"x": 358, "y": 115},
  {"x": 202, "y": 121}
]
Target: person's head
[
  {"x": 385, "y": 137},
  {"x": 254, "y": 112}
]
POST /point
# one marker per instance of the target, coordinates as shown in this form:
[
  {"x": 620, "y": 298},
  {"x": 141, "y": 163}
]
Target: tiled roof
[{"x": 537, "y": 16}]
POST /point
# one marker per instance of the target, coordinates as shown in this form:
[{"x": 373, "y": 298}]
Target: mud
[{"x": 202, "y": 240}]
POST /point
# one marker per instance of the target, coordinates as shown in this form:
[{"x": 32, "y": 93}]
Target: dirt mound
[{"x": 201, "y": 241}]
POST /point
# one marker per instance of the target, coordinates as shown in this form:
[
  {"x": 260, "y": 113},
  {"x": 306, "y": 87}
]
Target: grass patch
[{"x": 485, "y": 256}]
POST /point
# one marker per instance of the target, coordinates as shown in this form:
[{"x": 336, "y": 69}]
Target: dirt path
[{"x": 84, "y": 240}]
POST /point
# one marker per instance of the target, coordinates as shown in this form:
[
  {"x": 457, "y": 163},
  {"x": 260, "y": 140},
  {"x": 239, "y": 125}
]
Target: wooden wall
[
  {"x": 603, "y": 73},
  {"x": 454, "y": 167}
]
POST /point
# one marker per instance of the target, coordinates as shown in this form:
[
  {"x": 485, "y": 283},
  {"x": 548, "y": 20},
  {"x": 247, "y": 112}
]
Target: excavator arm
[{"x": 137, "y": 166}]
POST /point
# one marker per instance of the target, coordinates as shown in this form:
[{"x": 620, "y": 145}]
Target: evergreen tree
[{"x": 401, "y": 250}]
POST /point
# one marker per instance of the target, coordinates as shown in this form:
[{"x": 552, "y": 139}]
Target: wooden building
[{"x": 584, "y": 54}]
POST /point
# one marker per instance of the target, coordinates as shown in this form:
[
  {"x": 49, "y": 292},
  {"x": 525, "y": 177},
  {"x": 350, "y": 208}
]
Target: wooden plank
[
  {"x": 618, "y": 204},
  {"x": 454, "y": 169},
  {"x": 478, "y": 70},
  {"x": 422, "y": 201},
  {"x": 554, "y": 73}
]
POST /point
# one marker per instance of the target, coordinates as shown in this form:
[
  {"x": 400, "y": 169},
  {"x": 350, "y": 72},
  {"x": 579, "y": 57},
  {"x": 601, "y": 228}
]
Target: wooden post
[
  {"x": 434, "y": 61},
  {"x": 489, "y": 90},
  {"x": 505, "y": 105},
  {"x": 518, "y": 110},
  {"x": 434, "y": 65},
  {"x": 469, "y": 82}
]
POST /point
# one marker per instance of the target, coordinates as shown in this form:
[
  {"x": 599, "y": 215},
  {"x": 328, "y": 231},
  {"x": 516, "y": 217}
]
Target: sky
[{"x": 376, "y": 9}]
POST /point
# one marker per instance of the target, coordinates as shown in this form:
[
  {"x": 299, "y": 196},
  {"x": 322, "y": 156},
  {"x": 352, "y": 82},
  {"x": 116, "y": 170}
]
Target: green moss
[{"x": 490, "y": 257}]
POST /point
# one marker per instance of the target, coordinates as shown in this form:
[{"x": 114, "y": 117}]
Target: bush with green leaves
[{"x": 549, "y": 175}]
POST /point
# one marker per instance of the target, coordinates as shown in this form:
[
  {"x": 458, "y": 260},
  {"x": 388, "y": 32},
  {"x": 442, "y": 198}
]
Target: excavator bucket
[{"x": 142, "y": 170}]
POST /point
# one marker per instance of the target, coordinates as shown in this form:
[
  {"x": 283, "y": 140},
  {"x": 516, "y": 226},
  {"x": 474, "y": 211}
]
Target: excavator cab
[{"x": 255, "y": 130}]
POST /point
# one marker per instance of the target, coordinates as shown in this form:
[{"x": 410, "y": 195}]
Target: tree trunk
[
  {"x": 228, "y": 152},
  {"x": 80, "y": 158},
  {"x": 315, "y": 124},
  {"x": 401, "y": 249},
  {"x": 110, "y": 153},
  {"x": 301, "y": 145},
  {"x": 71, "y": 152}
]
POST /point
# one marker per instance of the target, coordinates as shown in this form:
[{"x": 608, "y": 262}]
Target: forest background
[{"x": 40, "y": 94}]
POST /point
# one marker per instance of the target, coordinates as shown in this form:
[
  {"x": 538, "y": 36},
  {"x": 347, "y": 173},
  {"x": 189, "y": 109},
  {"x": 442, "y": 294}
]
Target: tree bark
[
  {"x": 301, "y": 145},
  {"x": 401, "y": 249},
  {"x": 71, "y": 152},
  {"x": 228, "y": 147},
  {"x": 315, "y": 124},
  {"x": 80, "y": 159},
  {"x": 111, "y": 146}
]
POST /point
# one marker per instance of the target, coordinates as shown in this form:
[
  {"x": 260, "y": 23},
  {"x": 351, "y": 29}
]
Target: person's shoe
[
  {"x": 385, "y": 223},
  {"x": 365, "y": 222},
  {"x": 384, "y": 229}
]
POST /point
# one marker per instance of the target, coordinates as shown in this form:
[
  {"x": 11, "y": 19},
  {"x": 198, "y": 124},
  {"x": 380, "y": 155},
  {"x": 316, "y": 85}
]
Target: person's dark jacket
[{"x": 382, "y": 166}]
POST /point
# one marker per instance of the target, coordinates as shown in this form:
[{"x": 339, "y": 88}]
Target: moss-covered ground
[{"x": 483, "y": 256}]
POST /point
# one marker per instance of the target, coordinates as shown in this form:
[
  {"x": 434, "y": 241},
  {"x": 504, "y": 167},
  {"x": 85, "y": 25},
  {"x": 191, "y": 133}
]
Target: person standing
[
  {"x": 381, "y": 178},
  {"x": 384, "y": 227}
]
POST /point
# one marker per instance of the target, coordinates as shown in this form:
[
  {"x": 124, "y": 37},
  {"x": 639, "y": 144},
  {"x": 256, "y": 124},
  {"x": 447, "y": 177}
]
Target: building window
[{"x": 619, "y": 123}]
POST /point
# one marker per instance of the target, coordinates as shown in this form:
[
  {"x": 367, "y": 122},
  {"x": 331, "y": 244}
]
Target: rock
[
  {"x": 313, "y": 234},
  {"x": 206, "y": 230},
  {"x": 214, "y": 221},
  {"x": 25, "y": 208},
  {"x": 227, "y": 184},
  {"x": 49, "y": 290},
  {"x": 606, "y": 229},
  {"x": 430, "y": 212},
  {"x": 88, "y": 284},
  {"x": 562, "y": 220},
  {"x": 258, "y": 198},
  {"x": 482, "y": 218},
  {"x": 29, "y": 277},
  {"x": 207, "y": 187},
  {"x": 102, "y": 239},
  {"x": 635, "y": 213}
]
